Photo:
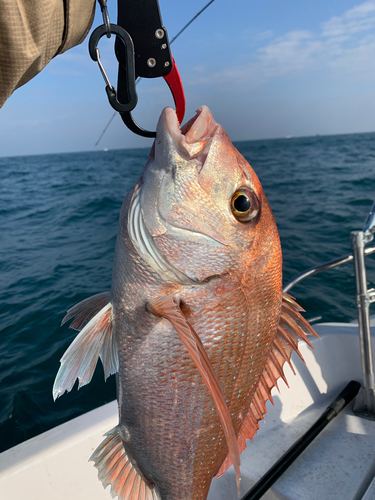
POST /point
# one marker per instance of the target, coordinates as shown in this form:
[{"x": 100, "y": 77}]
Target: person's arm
[{"x": 32, "y": 32}]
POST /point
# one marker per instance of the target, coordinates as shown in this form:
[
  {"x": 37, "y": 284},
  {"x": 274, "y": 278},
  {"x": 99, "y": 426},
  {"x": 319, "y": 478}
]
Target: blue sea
[{"x": 58, "y": 225}]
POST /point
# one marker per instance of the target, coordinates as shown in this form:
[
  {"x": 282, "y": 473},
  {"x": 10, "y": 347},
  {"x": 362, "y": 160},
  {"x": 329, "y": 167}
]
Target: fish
[{"x": 196, "y": 326}]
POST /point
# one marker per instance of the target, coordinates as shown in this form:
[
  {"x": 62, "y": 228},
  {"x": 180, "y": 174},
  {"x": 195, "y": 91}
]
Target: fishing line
[
  {"x": 193, "y": 19},
  {"x": 173, "y": 39},
  {"x": 108, "y": 124}
]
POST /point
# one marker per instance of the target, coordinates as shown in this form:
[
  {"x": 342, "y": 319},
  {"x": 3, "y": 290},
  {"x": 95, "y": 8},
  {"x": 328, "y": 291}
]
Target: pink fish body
[{"x": 196, "y": 325}]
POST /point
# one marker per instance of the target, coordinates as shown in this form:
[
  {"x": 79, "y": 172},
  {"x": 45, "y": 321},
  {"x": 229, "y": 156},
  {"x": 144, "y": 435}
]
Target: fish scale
[
  {"x": 195, "y": 325},
  {"x": 155, "y": 432}
]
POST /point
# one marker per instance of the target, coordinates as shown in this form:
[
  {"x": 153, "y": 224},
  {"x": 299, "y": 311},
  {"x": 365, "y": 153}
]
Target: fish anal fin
[
  {"x": 292, "y": 327},
  {"x": 95, "y": 339},
  {"x": 169, "y": 308},
  {"x": 117, "y": 469}
]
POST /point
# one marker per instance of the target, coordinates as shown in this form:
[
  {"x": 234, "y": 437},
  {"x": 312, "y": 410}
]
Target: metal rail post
[{"x": 365, "y": 402}]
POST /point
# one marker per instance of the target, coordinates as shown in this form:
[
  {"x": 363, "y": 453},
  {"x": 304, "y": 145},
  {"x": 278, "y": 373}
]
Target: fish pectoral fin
[
  {"x": 292, "y": 327},
  {"x": 169, "y": 307},
  {"x": 94, "y": 316},
  {"x": 86, "y": 310},
  {"x": 115, "y": 468}
]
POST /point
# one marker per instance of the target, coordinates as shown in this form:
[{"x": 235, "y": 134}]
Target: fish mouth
[
  {"x": 191, "y": 142},
  {"x": 201, "y": 126},
  {"x": 193, "y": 138}
]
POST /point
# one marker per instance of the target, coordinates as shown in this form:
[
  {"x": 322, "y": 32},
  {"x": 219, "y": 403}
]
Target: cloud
[
  {"x": 357, "y": 62},
  {"x": 293, "y": 52},
  {"x": 265, "y": 35},
  {"x": 358, "y": 19},
  {"x": 341, "y": 46}
]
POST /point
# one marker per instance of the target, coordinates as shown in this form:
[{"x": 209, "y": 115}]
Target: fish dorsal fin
[
  {"x": 292, "y": 327},
  {"x": 94, "y": 317},
  {"x": 169, "y": 308},
  {"x": 115, "y": 468}
]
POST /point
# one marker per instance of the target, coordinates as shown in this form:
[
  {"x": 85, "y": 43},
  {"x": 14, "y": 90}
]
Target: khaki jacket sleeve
[{"x": 32, "y": 32}]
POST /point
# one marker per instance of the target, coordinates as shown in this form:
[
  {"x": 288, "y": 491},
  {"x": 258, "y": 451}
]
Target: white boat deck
[{"x": 339, "y": 464}]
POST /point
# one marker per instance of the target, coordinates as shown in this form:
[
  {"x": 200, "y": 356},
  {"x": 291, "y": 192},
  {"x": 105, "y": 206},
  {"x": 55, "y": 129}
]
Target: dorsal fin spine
[
  {"x": 291, "y": 322},
  {"x": 262, "y": 391},
  {"x": 286, "y": 357},
  {"x": 291, "y": 327},
  {"x": 246, "y": 425},
  {"x": 263, "y": 394},
  {"x": 272, "y": 376},
  {"x": 258, "y": 408},
  {"x": 278, "y": 367},
  {"x": 277, "y": 343},
  {"x": 284, "y": 354},
  {"x": 261, "y": 403},
  {"x": 253, "y": 418},
  {"x": 298, "y": 317},
  {"x": 291, "y": 300},
  {"x": 241, "y": 442},
  {"x": 266, "y": 391},
  {"x": 286, "y": 335}
]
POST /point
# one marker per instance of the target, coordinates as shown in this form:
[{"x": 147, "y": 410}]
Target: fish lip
[{"x": 191, "y": 139}]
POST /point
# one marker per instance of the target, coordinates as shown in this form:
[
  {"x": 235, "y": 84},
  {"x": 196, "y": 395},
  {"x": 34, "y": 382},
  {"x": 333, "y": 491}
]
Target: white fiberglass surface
[{"x": 340, "y": 462}]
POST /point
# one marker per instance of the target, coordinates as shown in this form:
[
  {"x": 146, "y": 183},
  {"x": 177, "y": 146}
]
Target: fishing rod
[
  {"x": 270, "y": 477},
  {"x": 140, "y": 78}
]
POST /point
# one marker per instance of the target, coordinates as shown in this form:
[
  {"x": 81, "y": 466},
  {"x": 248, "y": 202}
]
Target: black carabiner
[
  {"x": 130, "y": 90},
  {"x": 126, "y": 76}
]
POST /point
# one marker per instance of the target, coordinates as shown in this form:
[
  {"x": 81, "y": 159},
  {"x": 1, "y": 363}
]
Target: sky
[{"x": 266, "y": 69}]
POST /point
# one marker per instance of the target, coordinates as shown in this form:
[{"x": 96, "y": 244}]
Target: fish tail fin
[
  {"x": 115, "y": 468},
  {"x": 291, "y": 328},
  {"x": 93, "y": 316}
]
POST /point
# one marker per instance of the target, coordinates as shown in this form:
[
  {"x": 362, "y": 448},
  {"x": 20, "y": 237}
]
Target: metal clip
[
  {"x": 102, "y": 70},
  {"x": 106, "y": 21}
]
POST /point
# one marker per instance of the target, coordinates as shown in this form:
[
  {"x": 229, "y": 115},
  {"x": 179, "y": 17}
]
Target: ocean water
[{"x": 58, "y": 225}]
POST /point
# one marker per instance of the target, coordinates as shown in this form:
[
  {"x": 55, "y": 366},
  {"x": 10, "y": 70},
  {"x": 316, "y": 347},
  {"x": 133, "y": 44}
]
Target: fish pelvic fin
[
  {"x": 169, "y": 307},
  {"x": 117, "y": 469},
  {"x": 291, "y": 328},
  {"x": 93, "y": 316}
]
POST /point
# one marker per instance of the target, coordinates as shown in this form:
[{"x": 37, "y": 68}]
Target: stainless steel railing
[
  {"x": 323, "y": 267},
  {"x": 365, "y": 402}
]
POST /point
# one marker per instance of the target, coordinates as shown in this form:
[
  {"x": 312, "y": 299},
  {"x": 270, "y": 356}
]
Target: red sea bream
[{"x": 195, "y": 326}]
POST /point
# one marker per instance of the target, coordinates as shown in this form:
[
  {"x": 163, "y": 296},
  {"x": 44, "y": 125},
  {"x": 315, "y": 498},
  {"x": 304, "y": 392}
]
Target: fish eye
[{"x": 244, "y": 205}]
